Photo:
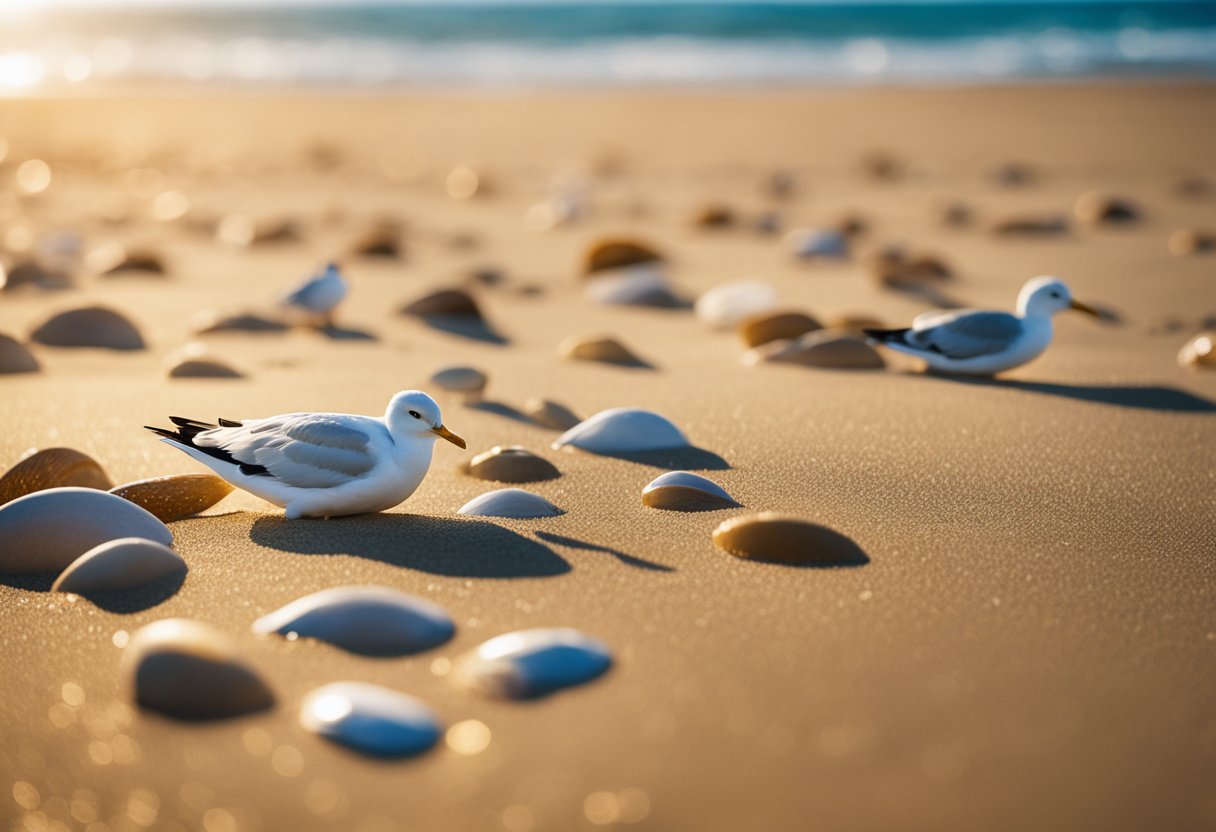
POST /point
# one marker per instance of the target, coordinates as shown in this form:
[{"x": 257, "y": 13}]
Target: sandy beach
[{"x": 1029, "y": 646}]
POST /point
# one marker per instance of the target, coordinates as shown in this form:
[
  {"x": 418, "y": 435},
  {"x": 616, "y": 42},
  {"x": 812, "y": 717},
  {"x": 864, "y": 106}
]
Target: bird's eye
[
  {"x": 1055, "y": 294},
  {"x": 415, "y": 414}
]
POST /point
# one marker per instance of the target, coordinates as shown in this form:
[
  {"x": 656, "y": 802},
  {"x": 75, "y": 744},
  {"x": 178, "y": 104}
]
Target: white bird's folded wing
[{"x": 965, "y": 334}]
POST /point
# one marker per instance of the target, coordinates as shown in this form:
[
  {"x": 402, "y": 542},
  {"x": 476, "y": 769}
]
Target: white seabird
[
  {"x": 318, "y": 297},
  {"x": 321, "y": 464},
  {"x": 975, "y": 342}
]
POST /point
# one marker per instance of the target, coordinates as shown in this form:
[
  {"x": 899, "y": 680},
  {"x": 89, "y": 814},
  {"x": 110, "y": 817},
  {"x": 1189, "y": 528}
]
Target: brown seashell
[
  {"x": 852, "y": 225},
  {"x": 685, "y": 491},
  {"x": 468, "y": 380},
  {"x": 1031, "y": 225},
  {"x": 1200, "y": 351},
  {"x": 1193, "y": 187},
  {"x": 550, "y": 414},
  {"x": 878, "y": 164},
  {"x": 378, "y": 242},
  {"x": 715, "y": 216},
  {"x": 606, "y": 350},
  {"x": 145, "y": 262},
  {"x": 895, "y": 267},
  {"x": 1096, "y": 209},
  {"x": 126, "y": 563},
  {"x": 832, "y": 350},
  {"x": 618, "y": 253},
  {"x": 776, "y": 326},
  {"x": 31, "y": 273},
  {"x": 1188, "y": 241},
  {"x": 1014, "y": 174},
  {"x": 89, "y": 326},
  {"x": 854, "y": 324},
  {"x": 511, "y": 464},
  {"x": 952, "y": 212},
  {"x": 175, "y": 497},
  {"x": 52, "y": 468},
  {"x": 445, "y": 302},
  {"x": 197, "y": 361},
  {"x": 209, "y": 321},
  {"x": 187, "y": 670},
  {"x": 15, "y": 357},
  {"x": 776, "y": 538}
]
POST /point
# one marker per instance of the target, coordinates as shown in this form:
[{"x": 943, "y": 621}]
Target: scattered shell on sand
[
  {"x": 186, "y": 669},
  {"x": 603, "y": 349},
  {"x": 1188, "y": 241},
  {"x": 834, "y": 350},
  {"x": 1097, "y": 208},
  {"x": 684, "y": 491},
  {"x": 893, "y": 266},
  {"x": 1200, "y": 351},
  {"x": 371, "y": 620},
  {"x": 466, "y": 181},
  {"x": 776, "y": 326},
  {"x": 89, "y": 326},
  {"x": 126, "y": 563},
  {"x": 15, "y": 357},
  {"x": 550, "y": 414},
  {"x": 623, "y": 429},
  {"x": 196, "y": 360},
  {"x": 47, "y": 530},
  {"x": 882, "y": 166},
  {"x": 530, "y": 663},
  {"x": 715, "y": 217},
  {"x": 821, "y": 243},
  {"x": 244, "y": 230},
  {"x": 1014, "y": 174},
  {"x": 610, "y": 254},
  {"x": 468, "y": 380},
  {"x": 444, "y": 302},
  {"x": 52, "y": 468},
  {"x": 952, "y": 212},
  {"x": 31, "y": 273},
  {"x": 176, "y": 496},
  {"x": 138, "y": 261},
  {"x": 1193, "y": 186},
  {"x": 510, "y": 502},
  {"x": 780, "y": 539},
  {"x": 1031, "y": 225},
  {"x": 369, "y": 718},
  {"x": 379, "y": 242},
  {"x": 645, "y": 284},
  {"x": 780, "y": 184},
  {"x": 511, "y": 464},
  {"x": 725, "y": 306},
  {"x": 854, "y": 324},
  {"x": 209, "y": 321}
]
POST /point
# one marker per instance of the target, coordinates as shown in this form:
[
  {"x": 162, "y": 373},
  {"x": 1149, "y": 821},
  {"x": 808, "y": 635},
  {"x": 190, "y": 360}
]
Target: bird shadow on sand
[
  {"x": 673, "y": 459},
  {"x": 628, "y": 560},
  {"x": 466, "y": 326},
  {"x": 440, "y": 546},
  {"x": 1137, "y": 397},
  {"x": 121, "y": 601}
]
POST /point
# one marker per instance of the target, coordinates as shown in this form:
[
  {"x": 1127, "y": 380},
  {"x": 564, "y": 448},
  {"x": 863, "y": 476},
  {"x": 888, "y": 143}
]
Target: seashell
[
  {"x": 139, "y": 260},
  {"x": 684, "y": 491},
  {"x": 468, "y": 380},
  {"x": 1014, "y": 174},
  {"x": 31, "y": 273},
  {"x": 243, "y": 230},
  {"x": 1200, "y": 351},
  {"x": 1192, "y": 186},
  {"x": 455, "y": 302},
  {"x": 197, "y": 361},
  {"x": 550, "y": 414},
  {"x": 175, "y": 497},
  {"x": 612, "y": 254},
  {"x": 834, "y": 350},
  {"x": 47, "y": 530},
  {"x": 15, "y": 358},
  {"x": 780, "y": 539},
  {"x": 769, "y": 222},
  {"x": 952, "y": 212},
  {"x": 52, "y": 468},
  {"x": 89, "y": 326},
  {"x": 780, "y": 184},
  {"x": 371, "y": 620},
  {"x": 510, "y": 502},
  {"x": 775, "y": 326},
  {"x": 809, "y": 243},
  {"x": 187, "y": 670},
  {"x": 465, "y": 181},
  {"x": 640, "y": 285},
  {"x": 369, "y": 718},
  {"x": 1096, "y": 208},
  {"x": 852, "y": 225},
  {"x": 210, "y": 321},
  {"x": 725, "y": 306},
  {"x": 1187, "y": 241},
  {"x": 895, "y": 267},
  {"x": 511, "y": 464},
  {"x": 381, "y": 242},
  {"x": 1031, "y": 225},
  {"x": 854, "y": 324},
  {"x": 878, "y": 164},
  {"x": 606, "y": 350},
  {"x": 623, "y": 429},
  {"x": 715, "y": 217},
  {"x": 527, "y": 664},
  {"x": 126, "y": 563}
]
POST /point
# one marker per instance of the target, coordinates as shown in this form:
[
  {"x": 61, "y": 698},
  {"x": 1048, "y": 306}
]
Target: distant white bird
[
  {"x": 321, "y": 464},
  {"x": 318, "y": 297},
  {"x": 983, "y": 343}
]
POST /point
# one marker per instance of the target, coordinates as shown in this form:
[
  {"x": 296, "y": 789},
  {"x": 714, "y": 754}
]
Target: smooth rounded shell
[
  {"x": 809, "y": 242},
  {"x": 15, "y": 357},
  {"x": 1102, "y": 208},
  {"x": 510, "y": 502},
  {"x": 90, "y": 326},
  {"x": 831, "y": 350},
  {"x": 197, "y": 361},
  {"x": 511, "y": 464},
  {"x": 643, "y": 284},
  {"x": 47, "y": 530},
  {"x": 1187, "y": 241},
  {"x": 778, "y": 326},
  {"x": 685, "y": 491},
  {"x": 176, "y": 496},
  {"x": 725, "y": 306},
  {"x": 185, "y": 669},
  {"x": 617, "y": 253},
  {"x": 461, "y": 379},
  {"x": 623, "y": 429},
  {"x": 607, "y": 350},
  {"x": 530, "y": 663},
  {"x": 127, "y": 563},
  {"x": 210, "y": 321},
  {"x": 780, "y": 539},
  {"x": 1200, "y": 351},
  {"x": 455, "y": 302},
  {"x": 369, "y": 718},
  {"x": 52, "y": 468},
  {"x": 550, "y": 414}
]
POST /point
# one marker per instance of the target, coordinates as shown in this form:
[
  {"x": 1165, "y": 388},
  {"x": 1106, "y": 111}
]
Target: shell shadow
[
  {"x": 673, "y": 459},
  {"x": 337, "y": 333},
  {"x": 465, "y": 326},
  {"x": 500, "y": 409},
  {"x": 628, "y": 560},
  {"x": 441, "y": 546},
  {"x": 121, "y": 601}
]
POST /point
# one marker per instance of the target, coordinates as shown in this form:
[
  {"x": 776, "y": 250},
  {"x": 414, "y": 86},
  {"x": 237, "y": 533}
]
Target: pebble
[
  {"x": 444, "y": 302},
  {"x": 817, "y": 243},
  {"x": 1200, "y": 351},
  {"x": 468, "y": 380},
  {"x": 176, "y": 496},
  {"x": 715, "y": 217},
  {"x": 510, "y": 502},
  {"x": 623, "y": 429},
  {"x": 780, "y": 539},
  {"x": 371, "y": 719},
  {"x": 89, "y": 326},
  {"x": 126, "y": 563},
  {"x": 725, "y": 306},
  {"x": 379, "y": 242},
  {"x": 526, "y": 664},
  {"x": 187, "y": 670},
  {"x": 611, "y": 254},
  {"x": 30, "y": 273},
  {"x": 1031, "y": 225},
  {"x": 776, "y": 326},
  {"x": 603, "y": 349},
  {"x": 685, "y": 491},
  {"x": 550, "y": 414},
  {"x": 511, "y": 464},
  {"x": 196, "y": 360},
  {"x": 825, "y": 348},
  {"x": 47, "y": 530},
  {"x": 52, "y": 468},
  {"x": 15, "y": 357},
  {"x": 370, "y": 620}
]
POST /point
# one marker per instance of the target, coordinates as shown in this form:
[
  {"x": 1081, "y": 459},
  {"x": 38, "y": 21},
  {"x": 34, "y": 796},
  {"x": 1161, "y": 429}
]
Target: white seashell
[
  {"x": 1200, "y": 351},
  {"x": 817, "y": 243},
  {"x": 187, "y": 670},
  {"x": 644, "y": 284},
  {"x": 832, "y": 350},
  {"x": 468, "y": 380},
  {"x": 370, "y": 718},
  {"x": 623, "y": 429},
  {"x": 372, "y": 620},
  {"x": 511, "y": 464},
  {"x": 726, "y": 306},
  {"x": 684, "y": 491},
  {"x": 126, "y": 563},
  {"x": 510, "y": 502},
  {"x": 47, "y": 530},
  {"x": 531, "y": 663}
]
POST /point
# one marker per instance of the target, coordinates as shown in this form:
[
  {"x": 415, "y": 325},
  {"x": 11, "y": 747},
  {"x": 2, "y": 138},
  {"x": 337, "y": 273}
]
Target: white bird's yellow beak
[
  {"x": 448, "y": 435},
  {"x": 1086, "y": 308}
]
